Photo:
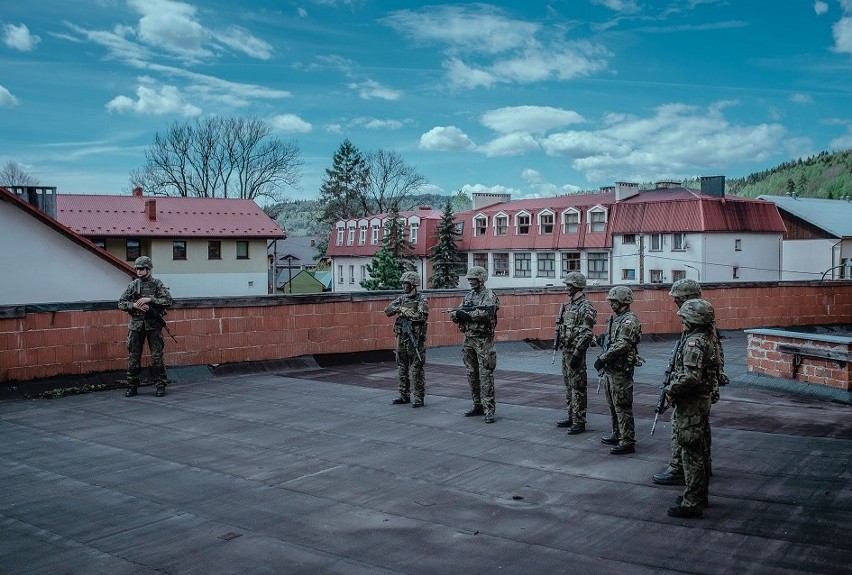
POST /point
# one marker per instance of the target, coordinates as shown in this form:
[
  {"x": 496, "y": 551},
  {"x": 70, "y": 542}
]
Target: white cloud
[
  {"x": 290, "y": 123},
  {"x": 509, "y": 145},
  {"x": 6, "y": 98},
  {"x": 171, "y": 26},
  {"x": 463, "y": 76},
  {"x": 627, "y": 6},
  {"x": 239, "y": 39},
  {"x": 801, "y": 99},
  {"x": 445, "y": 139},
  {"x": 842, "y": 32},
  {"x": 19, "y": 37},
  {"x": 820, "y": 7},
  {"x": 378, "y": 124},
  {"x": 151, "y": 101},
  {"x": 676, "y": 138},
  {"x": 372, "y": 89},
  {"x": 530, "y": 119},
  {"x": 483, "y": 189},
  {"x": 334, "y": 128},
  {"x": 843, "y": 142},
  {"x": 543, "y": 188}
]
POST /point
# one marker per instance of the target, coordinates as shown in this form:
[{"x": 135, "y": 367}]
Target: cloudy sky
[{"x": 535, "y": 98}]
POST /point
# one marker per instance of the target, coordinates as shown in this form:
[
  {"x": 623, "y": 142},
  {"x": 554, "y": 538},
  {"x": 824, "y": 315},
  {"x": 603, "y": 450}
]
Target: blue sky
[{"x": 534, "y": 98}]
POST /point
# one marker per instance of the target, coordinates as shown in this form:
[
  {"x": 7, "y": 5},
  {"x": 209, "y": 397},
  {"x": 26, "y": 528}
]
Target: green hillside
[{"x": 826, "y": 175}]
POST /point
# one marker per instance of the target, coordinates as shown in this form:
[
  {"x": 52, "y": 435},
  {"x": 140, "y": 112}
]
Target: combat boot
[
  {"x": 564, "y": 423},
  {"x": 161, "y": 391},
  {"x": 401, "y": 400},
  {"x": 669, "y": 477},
  {"x": 623, "y": 449},
  {"x": 685, "y": 512},
  {"x": 576, "y": 429},
  {"x": 131, "y": 391},
  {"x": 477, "y": 410},
  {"x": 705, "y": 502},
  {"x": 418, "y": 402},
  {"x": 489, "y": 417},
  {"x": 611, "y": 439}
]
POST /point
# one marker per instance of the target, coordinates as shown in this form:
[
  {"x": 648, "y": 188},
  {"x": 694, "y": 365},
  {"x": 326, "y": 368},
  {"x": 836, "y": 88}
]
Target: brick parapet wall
[
  {"x": 770, "y": 354},
  {"x": 72, "y": 339}
]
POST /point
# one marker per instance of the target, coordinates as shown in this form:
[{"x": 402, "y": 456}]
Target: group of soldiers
[{"x": 691, "y": 385}]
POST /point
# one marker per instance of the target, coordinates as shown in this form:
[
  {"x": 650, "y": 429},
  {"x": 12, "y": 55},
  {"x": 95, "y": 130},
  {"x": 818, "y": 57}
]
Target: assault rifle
[
  {"x": 557, "y": 338},
  {"x": 662, "y": 404},
  {"x": 156, "y": 313},
  {"x": 604, "y": 342},
  {"x": 405, "y": 324},
  {"x": 491, "y": 309}
]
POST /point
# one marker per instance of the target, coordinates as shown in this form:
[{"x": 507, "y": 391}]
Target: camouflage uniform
[
  {"x": 578, "y": 320},
  {"x": 414, "y": 310},
  {"x": 618, "y": 362},
  {"x": 695, "y": 366},
  {"x": 145, "y": 326},
  {"x": 478, "y": 351}
]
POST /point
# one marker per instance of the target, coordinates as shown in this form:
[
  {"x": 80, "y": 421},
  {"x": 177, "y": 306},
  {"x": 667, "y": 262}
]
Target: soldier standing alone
[
  {"x": 412, "y": 312},
  {"x": 619, "y": 358},
  {"x": 145, "y": 299},
  {"x": 477, "y": 318},
  {"x": 576, "y": 324},
  {"x": 695, "y": 365}
]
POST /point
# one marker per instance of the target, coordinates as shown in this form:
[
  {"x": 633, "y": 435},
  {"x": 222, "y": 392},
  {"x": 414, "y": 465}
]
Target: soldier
[
  {"x": 694, "y": 367},
  {"x": 576, "y": 324},
  {"x": 477, "y": 318},
  {"x": 683, "y": 291},
  {"x": 411, "y": 312},
  {"x": 617, "y": 362},
  {"x": 145, "y": 299}
]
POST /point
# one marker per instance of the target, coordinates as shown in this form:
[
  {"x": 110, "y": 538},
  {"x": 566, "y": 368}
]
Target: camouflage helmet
[
  {"x": 621, "y": 294},
  {"x": 477, "y": 273},
  {"x": 687, "y": 289},
  {"x": 697, "y": 312},
  {"x": 575, "y": 279},
  {"x": 410, "y": 277},
  {"x": 144, "y": 262}
]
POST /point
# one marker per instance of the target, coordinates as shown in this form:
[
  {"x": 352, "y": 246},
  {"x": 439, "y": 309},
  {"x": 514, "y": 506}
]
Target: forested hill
[{"x": 826, "y": 175}]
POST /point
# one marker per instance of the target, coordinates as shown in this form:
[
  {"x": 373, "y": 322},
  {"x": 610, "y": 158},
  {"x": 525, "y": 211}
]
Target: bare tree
[
  {"x": 391, "y": 181},
  {"x": 220, "y": 158},
  {"x": 12, "y": 174}
]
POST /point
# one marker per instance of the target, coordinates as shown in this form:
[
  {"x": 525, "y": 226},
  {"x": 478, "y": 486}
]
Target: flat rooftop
[{"x": 305, "y": 467}]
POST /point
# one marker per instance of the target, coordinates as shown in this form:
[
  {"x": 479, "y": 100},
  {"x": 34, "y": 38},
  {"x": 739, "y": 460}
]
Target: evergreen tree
[
  {"x": 397, "y": 240},
  {"x": 345, "y": 186},
  {"x": 384, "y": 271},
  {"x": 445, "y": 256}
]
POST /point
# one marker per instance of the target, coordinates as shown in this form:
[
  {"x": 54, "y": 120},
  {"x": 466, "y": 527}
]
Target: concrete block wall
[{"x": 72, "y": 339}]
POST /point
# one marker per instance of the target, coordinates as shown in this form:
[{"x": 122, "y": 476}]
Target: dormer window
[
  {"x": 522, "y": 223},
  {"x": 362, "y": 234},
  {"x": 501, "y": 224},
  {"x": 340, "y": 236},
  {"x": 597, "y": 220},
  {"x": 545, "y": 223},
  {"x": 570, "y": 222},
  {"x": 413, "y": 229},
  {"x": 480, "y": 225}
]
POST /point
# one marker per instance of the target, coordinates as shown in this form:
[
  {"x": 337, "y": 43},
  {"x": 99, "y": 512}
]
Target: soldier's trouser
[
  {"x": 480, "y": 359},
  {"x": 576, "y": 385},
  {"x": 676, "y": 463},
  {"x": 618, "y": 389},
  {"x": 688, "y": 426},
  {"x": 409, "y": 367},
  {"x": 156, "y": 345}
]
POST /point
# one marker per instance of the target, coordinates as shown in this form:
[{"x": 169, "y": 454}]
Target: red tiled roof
[
  {"x": 110, "y": 216},
  {"x": 426, "y": 235}
]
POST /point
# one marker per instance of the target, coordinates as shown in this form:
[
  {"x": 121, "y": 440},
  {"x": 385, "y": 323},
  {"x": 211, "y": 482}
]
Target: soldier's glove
[
  {"x": 407, "y": 313},
  {"x": 599, "y": 364},
  {"x": 453, "y": 316},
  {"x": 576, "y": 361},
  {"x": 462, "y": 315}
]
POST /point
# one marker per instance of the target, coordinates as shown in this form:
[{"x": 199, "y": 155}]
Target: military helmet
[
  {"x": 575, "y": 279},
  {"x": 688, "y": 289},
  {"x": 477, "y": 273},
  {"x": 144, "y": 262},
  {"x": 410, "y": 277},
  {"x": 697, "y": 312},
  {"x": 621, "y": 294}
]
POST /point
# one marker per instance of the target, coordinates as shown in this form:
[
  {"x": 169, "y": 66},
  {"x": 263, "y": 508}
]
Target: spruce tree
[
  {"x": 345, "y": 186},
  {"x": 384, "y": 271},
  {"x": 445, "y": 256},
  {"x": 398, "y": 242}
]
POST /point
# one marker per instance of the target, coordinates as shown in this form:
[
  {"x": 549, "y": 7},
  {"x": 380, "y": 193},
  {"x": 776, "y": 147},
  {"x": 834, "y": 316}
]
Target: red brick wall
[
  {"x": 764, "y": 356},
  {"x": 69, "y": 341}
]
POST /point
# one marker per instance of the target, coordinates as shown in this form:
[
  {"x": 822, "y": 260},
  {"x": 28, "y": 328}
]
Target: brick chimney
[
  {"x": 150, "y": 208},
  {"x": 137, "y": 192}
]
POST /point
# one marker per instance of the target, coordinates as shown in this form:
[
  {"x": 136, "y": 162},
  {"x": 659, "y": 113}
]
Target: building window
[
  {"x": 214, "y": 250},
  {"x": 480, "y": 224},
  {"x": 570, "y": 263},
  {"x": 179, "y": 250},
  {"x": 480, "y": 260},
  {"x": 598, "y": 266},
  {"x": 340, "y": 236},
  {"x": 363, "y": 273},
  {"x": 546, "y": 265},
  {"x": 242, "y": 249},
  {"x": 656, "y": 242},
  {"x": 678, "y": 275},
  {"x": 628, "y": 274},
  {"x": 628, "y": 239},
  {"x": 413, "y": 229},
  {"x": 523, "y": 264},
  {"x": 597, "y": 221},
  {"x": 362, "y": 235},
  {"x": 340, "y": 274},
  {"x": 845, "y": 268},
  {"x": 545, "y": 223},
  {"x": 735, "y": 273},
  {"x": 738, "y": 245},
  {"x": 656, "y": 276},
  {"x": 523, "y": 222},
  {"x": 100, "y": 242},
  {"x": 501, "y": 225},
  {"x": 352, "y": 274},
  {"x": 133, "y": 249},
  {"x": 678, "y": 242},
  {"x": 351, "y": 238},
  {"x": 571, "y": 222},
  {"x": 501, "y": 265},
  {"x": 459, "y": 228},
  {"x": 374, "y": 237}
]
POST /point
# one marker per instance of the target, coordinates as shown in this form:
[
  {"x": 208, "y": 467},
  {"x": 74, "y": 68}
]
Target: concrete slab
[{"x": 313, "y": 471}]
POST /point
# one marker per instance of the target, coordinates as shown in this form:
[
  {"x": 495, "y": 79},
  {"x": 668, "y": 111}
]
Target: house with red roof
[
  {"x": 200, "y": 247},
  {"x": 47, "y": 262}
]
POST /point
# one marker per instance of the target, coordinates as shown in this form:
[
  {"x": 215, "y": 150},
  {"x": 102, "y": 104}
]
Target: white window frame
[
  {"x": 480, "y": 225},
  {"x": 541, "y": 223},
  {"x": 570, "y": 227},
  {"x": 501, "y": 224},
  {"x": 520, "y": 215},
  {"x": 596, "y": 222}
]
